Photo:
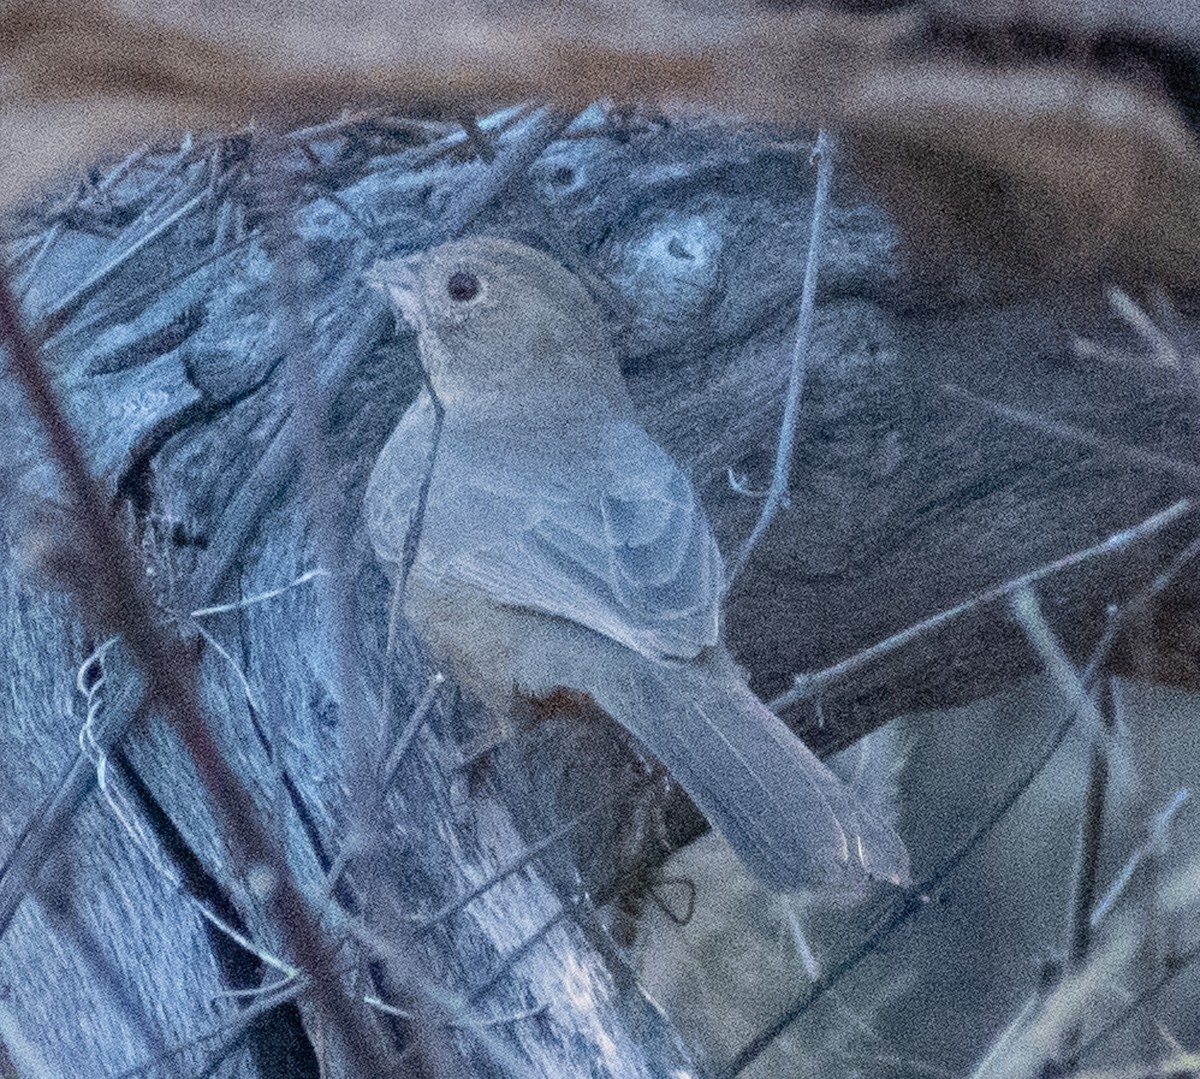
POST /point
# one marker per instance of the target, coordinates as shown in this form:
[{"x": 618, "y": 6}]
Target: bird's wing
[
  {"x": 393, "y": 491},
  {"x": 625, "y": 550}
]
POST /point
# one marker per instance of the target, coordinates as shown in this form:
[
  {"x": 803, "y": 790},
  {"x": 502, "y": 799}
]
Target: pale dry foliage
[{"x": 1053, "y": 162}]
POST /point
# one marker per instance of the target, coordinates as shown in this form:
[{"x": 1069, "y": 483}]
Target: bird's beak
[{"x": 398, "y": 280}]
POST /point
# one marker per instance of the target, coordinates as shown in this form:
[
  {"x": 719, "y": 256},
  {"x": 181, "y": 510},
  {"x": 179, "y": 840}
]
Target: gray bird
[{"x": 561, "y": 548}]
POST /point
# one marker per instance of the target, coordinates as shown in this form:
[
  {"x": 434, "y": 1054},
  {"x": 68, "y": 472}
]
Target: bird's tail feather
[{"x": 792, "y": 821}]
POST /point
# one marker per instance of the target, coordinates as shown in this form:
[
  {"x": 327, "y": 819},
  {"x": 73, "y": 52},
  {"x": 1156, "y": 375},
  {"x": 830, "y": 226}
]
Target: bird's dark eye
[{"x": 462, "y": 286}]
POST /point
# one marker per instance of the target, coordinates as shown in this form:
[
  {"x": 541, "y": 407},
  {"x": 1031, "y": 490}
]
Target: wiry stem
[
  {"x": 1068, "y": 432},
  {"x": 810, "y": 684},
  {"x": 777, "y": 492}
]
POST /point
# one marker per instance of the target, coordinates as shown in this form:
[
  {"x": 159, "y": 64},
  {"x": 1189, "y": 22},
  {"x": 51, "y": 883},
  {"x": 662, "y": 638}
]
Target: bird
[{"x": 549, "y": 546}]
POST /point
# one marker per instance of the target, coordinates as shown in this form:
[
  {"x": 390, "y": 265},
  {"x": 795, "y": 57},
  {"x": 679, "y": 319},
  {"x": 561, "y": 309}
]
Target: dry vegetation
[{"x": 250, "y": 835}]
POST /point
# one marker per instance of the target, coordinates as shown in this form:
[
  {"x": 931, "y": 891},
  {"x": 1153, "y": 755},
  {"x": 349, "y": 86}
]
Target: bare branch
[{"x": 810, "y": 685}]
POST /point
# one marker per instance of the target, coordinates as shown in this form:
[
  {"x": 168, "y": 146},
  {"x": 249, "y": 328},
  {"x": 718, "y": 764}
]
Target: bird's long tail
[{"x": 790, "y": 819}]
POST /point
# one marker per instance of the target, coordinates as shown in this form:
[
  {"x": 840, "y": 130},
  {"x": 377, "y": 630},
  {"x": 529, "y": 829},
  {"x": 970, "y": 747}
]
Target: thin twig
[
  {"x": 517, "y": 954},
  {"x": 513, "y": 866},
  {"x": 810, "y": 684},
  {"x": 359, "y": 723},
  {"x": 97, "y": 278},
  {"x": 243, "y": 680},
  {"x": 1088, "y": 869},
  {"x": 1157, "y": 836},
  {"x": 1068, "y": 432},
  {"x": 777, "y": 491},
  {"x": 412, "y": 538},
  {"x": 1165, "y": 351},
  {"x": 260, "y": 597},
  {"x": 351, "y": 119},
  {"x": 379, "y": 1004},
  {"x": 119, "y": 171},
  {"x": 1062, "y": 674},
  {"x": 396, "y": 757}
]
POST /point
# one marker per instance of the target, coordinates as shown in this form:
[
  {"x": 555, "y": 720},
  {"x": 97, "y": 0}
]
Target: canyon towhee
[{"x": 560, "y": 548}]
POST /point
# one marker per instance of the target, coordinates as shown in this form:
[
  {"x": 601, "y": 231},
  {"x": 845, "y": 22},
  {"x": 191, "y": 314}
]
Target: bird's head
[{"x": 498, "y": 319}]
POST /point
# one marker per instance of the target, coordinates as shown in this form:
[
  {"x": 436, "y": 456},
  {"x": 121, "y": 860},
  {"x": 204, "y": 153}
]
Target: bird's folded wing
[
  {"x": 638, "y": 551},
  {"x": 625, "y": 550},
  {"x": 393, "y": 491}
]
